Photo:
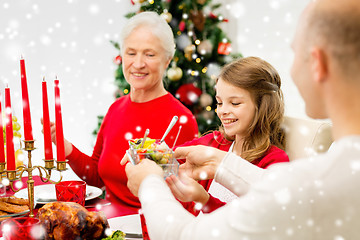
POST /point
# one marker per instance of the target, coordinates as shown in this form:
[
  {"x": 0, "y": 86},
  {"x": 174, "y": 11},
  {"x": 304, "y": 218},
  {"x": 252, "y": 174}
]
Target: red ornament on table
[
  {"x": 60, "y": 150},
  {"x": 26, "y": 106},
  {"x": 46, "y": 124},
  {"x": 10, "y": 154},
  {"x": 2, "y": 151},
  {"x": 224, "y": 48}
]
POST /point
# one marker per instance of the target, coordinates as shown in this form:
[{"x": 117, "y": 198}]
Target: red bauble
[
  {"x": 182, "y": 26},
  {"x": 118, "y": 60},
  {"x": 224, "y": 48},
  {"x": 188, "y": 94}
]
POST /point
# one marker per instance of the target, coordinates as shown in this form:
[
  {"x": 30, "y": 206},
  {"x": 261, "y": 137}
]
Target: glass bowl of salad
[{"x": 154, "y": 150}]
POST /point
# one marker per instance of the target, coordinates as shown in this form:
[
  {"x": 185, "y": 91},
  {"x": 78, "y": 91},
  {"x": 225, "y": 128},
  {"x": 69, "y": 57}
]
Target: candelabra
[{"x": 14, "y": 175}]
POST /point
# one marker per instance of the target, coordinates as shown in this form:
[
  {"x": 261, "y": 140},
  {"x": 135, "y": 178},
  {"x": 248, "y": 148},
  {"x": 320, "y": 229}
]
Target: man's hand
[
  {"x": 201, "y": 161},
  {"x": 137, "y": 173}
]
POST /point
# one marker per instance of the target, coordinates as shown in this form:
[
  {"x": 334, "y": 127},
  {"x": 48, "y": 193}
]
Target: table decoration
[{"x": 12, "y": 173}]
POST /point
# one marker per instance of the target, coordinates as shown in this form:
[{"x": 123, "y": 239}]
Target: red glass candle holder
[
  {"x": 71, "y": 191},
  {"x": 144, "y": 230},
  {"x": 22, "y": 228}
]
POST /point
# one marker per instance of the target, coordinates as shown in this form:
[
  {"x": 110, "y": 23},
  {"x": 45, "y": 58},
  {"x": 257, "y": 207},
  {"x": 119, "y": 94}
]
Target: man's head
[{"x": 326, "y": 45}]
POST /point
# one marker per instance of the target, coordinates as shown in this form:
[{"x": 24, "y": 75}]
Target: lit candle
[
  {"x": 26, "y": 106},
  {"x": 46, "y": 124},
  {"x": 10, "y": 155},
  {"x": 2, "y": 153},
  {"x": 60, "y": 151}
]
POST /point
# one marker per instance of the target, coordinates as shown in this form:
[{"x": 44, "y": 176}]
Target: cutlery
[
  {"x": 171, "y": 125},
  {"x": 133, "y": 236},
  {"x": 144, "y": 138},
  {"x": 177, "y": 135}
]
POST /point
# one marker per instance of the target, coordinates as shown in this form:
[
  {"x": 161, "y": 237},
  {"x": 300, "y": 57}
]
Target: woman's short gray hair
[{"x": 156, "y": 24}]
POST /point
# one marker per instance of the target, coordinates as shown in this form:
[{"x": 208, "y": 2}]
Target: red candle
[
  {"x": 10, "y": 155},
  {"x": 2, "y": 152},
  {"x": 46, "y": 124},
  {"x": 26, "y": 105},
  {"x": 60, "y": 150}
]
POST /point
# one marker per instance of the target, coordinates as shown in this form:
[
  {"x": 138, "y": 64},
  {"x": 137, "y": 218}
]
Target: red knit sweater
[
  {"x": 217, "y": 140},
  {"x": 126, "y": 120}
]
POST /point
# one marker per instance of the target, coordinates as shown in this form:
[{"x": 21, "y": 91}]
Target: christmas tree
[{"x": 201, "y": 49}]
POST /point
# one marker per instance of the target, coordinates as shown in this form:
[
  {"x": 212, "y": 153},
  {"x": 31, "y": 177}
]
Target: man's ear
[{"x": 319, "y": 64}]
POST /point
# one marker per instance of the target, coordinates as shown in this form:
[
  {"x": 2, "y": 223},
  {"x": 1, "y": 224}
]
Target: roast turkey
[{"x": 67, "y": 220}]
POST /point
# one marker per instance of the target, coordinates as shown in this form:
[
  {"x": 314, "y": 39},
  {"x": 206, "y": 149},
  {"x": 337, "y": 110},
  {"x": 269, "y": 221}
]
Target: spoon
[
  {"x": 144, "y": 138},
  {"x": 172, "y": 123}
]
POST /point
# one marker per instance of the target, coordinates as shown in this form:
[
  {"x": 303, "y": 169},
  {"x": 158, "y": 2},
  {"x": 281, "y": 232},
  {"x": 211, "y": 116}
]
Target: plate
[
  {"x": 127, "y": 224},
  {"x": 46, "y": 193}
]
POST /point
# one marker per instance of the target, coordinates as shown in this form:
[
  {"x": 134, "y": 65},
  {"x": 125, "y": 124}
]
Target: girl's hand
[{"x": 187, "y": 189}]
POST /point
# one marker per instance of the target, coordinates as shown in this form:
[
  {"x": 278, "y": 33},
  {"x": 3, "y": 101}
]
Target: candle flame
[
  {"x": 21, "y": 57},
  {"x": 43, "y": 78}
]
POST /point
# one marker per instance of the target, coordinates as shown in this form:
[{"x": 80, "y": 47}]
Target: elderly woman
[{"x": 147, "y": 47}]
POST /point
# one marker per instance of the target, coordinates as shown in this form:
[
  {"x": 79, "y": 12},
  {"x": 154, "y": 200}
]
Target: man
[{"x": 314, "y": 198}]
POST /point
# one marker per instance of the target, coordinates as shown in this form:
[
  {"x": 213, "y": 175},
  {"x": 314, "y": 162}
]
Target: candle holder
[{"x": 44, "y": 173}]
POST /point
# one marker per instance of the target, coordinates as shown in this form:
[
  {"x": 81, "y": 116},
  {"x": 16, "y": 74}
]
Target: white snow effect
[
  {"x": 138, "y": 128},
  {"x": 198, "y": 206},
  {"x": 203, "y": 175},
  {"x": 283, "y": 196},
  {"x": 94, "y": 9},
  {"x": 45, "y": 39},
  {"x": 215, "y": 232},
  {"x": 183, "y": 119},
  {"x": 236, "y": 9},
  {"x": 170, "y": 218},
  {"x": 128, "y": 136},
  {"x": 355, "y": 165}
]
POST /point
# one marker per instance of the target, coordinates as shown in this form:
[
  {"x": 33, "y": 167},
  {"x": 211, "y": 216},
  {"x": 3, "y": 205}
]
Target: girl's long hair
[{"x": 263, "y": 82}]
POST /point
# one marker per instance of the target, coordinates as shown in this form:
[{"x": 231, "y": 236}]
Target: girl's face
[{"x": 235, "y": 108}]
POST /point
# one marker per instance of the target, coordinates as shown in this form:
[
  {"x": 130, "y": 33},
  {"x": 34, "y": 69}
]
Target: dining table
[{"x": 119, "y": 217}]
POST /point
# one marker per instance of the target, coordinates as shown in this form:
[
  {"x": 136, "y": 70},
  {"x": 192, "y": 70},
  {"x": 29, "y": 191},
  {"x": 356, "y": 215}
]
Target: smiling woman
[{"x": 147, "y": 48}]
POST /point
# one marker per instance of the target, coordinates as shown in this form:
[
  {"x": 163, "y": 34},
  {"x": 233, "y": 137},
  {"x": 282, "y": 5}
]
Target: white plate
[
  {"x": 46, "y": 193},
  {"x": 127, "y": 224}
]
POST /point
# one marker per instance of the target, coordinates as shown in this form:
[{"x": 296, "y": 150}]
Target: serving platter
[{"x": 46, "y": 193}]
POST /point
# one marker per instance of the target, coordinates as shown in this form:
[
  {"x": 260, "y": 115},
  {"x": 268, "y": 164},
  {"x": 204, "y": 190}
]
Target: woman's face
[
  {"x": 235, "y": 108},
  {"x": 144, "y": 60}
]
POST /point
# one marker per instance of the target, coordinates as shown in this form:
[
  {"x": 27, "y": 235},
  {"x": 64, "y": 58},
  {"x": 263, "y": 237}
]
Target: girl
[{"x": 250, "y": 107}]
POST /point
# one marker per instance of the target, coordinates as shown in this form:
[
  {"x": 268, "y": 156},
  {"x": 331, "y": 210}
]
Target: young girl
[{"x": 250, "y": 107}]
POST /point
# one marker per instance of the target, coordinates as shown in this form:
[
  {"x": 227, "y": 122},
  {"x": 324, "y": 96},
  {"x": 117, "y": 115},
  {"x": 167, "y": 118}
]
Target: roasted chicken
[{"x": 67, "y": 220}]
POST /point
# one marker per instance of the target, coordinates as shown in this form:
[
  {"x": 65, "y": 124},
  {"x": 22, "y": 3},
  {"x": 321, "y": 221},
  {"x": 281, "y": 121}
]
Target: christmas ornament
[
  {"x": 198, "y": 18},
  {"x": 205, "y": 47},
  {"x": 206, "y": 100},
  {"x": 224, "y": 48},
  {"x": 174, "y": 73},
  {"x": 166, "y": 15},
  {"x": 188, "y": 94},
  {"x": 118, "y": 60},
  {"x": 183, "y": 41},
  {"x": 213, "y": 70},
  {"x": 189, "y": 50},
  {"x": 182, "y": 26},
  {"x": 208, "y": 115}
]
